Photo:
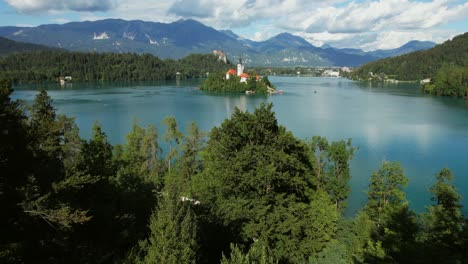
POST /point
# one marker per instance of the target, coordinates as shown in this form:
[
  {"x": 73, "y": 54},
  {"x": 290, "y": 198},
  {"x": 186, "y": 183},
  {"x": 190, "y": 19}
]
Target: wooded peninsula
[{"x": 48, "y": 65}]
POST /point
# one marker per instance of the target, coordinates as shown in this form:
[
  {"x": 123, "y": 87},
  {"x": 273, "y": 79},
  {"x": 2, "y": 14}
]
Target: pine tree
[
  {"x": 173, "y": 227},
  {"x": 97, "y": 154},
  {"x": 256, "y": 181},
  {"x": 257, "y": 254},
  {"x": 46, "y": 135},
  {"x": 15, "y": 157},
  {"x": 174, "y": 137}
]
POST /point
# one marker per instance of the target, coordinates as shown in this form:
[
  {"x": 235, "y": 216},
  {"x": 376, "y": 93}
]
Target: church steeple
[{"x": 240, "y": 67}]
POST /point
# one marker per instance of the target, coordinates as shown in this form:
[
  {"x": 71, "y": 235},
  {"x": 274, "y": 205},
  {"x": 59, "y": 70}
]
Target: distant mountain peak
[
  {"x": 188, "y": 21},
  {"x": 291, "y": 39},
  {"x": 286, "y": 36},
  {"x": 230, "y": 33},
  {"x": 419, "y": 44}
]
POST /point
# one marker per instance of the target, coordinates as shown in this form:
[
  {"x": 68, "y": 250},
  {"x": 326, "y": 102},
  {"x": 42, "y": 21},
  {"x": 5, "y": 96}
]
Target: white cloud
[
  {"x": 339, "y": 40},
  {"x": 24, "y": 25},
  {"x": 61, "y": 20},
  {"x": 369, "y": 24},
  {"x": 376, "y": 15},
  {"x": 393, "y": 39},
  {"x": 35, "y": 6},
  {"x": 241, "y": 13},
  {"x": 144, "y": 10}
]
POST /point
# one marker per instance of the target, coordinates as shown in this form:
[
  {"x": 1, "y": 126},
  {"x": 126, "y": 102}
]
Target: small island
[{"x": 238, "y": 81}]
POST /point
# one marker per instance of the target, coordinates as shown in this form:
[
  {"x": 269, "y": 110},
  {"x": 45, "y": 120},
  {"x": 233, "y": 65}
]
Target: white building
[
  {"x": 240, "y": 68},
  {"x": 331, "y": 73}
]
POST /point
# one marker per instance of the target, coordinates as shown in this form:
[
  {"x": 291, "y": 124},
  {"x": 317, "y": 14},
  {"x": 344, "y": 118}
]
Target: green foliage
[
  {"x": 257, "y": 254},
  {"x": 173, "y": 237},
  {"x": 253, "y": 194},
  {"x": 139, "y": 158},
  {"x": 256, "y": 178},
  {"x": 8, "y": 47},
  {"x": 174, "y": 137},
  {"x": 97, "y": 154},
  {"x": 421, "y": 64},
  {"x": 387, "y": 206},
  {"x": 443, "y": 223},
  {"x": 386, "y": 195},
  {"x": 15, "y": 158},
  {"x": 48, "y": 65},
  {"x": 188, "y": 163},
  {"x": 335, "y": 253},
  {"x": 449, "y": 81},
  {"x": 321, "y": 222},
  {"x": 218, "y": 82},
  {"x": 332, "y": 167}
]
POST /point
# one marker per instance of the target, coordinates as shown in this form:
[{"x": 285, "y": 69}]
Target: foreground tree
[
  {"x": 386, "y": 195},
  {"x": 389, "y": 210},
  {"x": 332, "y": 167},
  {"x": 257, "y": 181},
  {"x": 443, "y": 223},
  {"x": 173, "y": 237},
  {"x": 14, "y": 156}
]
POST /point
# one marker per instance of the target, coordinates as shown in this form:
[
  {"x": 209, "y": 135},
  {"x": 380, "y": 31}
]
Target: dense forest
[
  {"x": 449, "y": 81},
  {"x": 43, "y": 66},
  {"x": 418, "y": 65},
  {"x": 218, "y": 82},
  {"x": 249, "y": 191}
]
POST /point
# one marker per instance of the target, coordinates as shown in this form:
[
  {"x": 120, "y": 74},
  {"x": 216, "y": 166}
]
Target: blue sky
[{"x": 362, "y": 24}]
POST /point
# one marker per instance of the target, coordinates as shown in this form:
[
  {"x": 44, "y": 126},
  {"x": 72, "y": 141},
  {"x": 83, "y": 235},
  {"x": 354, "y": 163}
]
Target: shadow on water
[{"x": 108, "y": 84}]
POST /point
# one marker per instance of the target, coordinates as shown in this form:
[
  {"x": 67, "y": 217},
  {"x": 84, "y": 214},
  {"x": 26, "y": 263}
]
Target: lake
[{"x": 386, "y": 121}]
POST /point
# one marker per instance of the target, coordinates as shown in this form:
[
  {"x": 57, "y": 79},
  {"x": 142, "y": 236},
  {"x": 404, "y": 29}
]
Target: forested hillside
[
  {"x": 8, "y": 47},
  {"x": 418, "y": 65},
  {"x": 42, "y": 66},
  {"x": 449, "y": 80},
  {"x": 247, "y": 192}
]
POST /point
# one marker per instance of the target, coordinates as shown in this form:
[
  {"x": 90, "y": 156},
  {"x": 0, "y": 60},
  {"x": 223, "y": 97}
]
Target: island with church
[{"x": 238, "y": 81}]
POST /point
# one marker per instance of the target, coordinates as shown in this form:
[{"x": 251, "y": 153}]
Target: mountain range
[{"x": 178, "y": 39}]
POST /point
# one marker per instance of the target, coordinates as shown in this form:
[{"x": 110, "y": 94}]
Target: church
[{"x": 240, "y": 72}]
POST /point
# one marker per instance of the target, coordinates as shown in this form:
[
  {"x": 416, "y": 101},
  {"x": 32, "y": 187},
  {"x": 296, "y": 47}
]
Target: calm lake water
[{"x": 386, "y": 122}]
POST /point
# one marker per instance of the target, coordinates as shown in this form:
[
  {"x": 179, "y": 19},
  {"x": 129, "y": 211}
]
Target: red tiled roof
[
  {"x": 231, "y": 71},
  {"x": 245, "y": 75}
]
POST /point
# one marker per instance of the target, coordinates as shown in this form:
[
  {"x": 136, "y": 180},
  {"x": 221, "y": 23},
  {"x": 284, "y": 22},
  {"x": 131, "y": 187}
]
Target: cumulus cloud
[
  {"x": 34, "y": 6},
  {"x": 228, "y": 13},
  {"x": 376, "y": 15},
  {"x": 369, "y": 24},
  {"x": 339, "y": 40}
]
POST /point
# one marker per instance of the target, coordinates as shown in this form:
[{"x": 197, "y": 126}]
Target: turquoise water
[{"x": 386, "y": 122}]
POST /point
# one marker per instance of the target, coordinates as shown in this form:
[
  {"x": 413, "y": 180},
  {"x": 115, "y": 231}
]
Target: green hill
[
  {"x": 43, "y": 66},
  {"x": 8, "y": 46},
  {"x": 418, "y": 65}
]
